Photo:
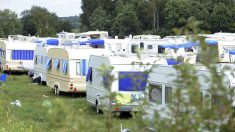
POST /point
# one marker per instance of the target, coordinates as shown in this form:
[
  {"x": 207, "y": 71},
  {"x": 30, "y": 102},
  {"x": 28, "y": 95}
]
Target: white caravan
[
  {"x": 67, "y": 67},
  {"x": 155, "y": 37},
  {"x": 95, "y": 34},
  {"x": 16, "y": 55},
  {"x": 161, "y": 84},
  {"x": 40, "y": 57},
  {"x": 129, "y": 84}
]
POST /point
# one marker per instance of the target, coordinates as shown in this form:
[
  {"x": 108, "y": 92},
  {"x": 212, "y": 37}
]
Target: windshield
[{"x": 132, "y": 81}]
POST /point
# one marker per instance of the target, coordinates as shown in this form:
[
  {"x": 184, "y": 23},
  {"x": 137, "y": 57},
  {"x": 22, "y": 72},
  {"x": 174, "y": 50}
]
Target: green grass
[{"x": 52, "y": 113}]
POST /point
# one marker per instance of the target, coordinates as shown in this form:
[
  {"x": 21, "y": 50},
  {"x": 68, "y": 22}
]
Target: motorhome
[
  {"x": 16, "y": 54},
  {"x": 162, "y": 84},
  {"x": 129, "y": 83},
  {"x": 67, "y": 67}
]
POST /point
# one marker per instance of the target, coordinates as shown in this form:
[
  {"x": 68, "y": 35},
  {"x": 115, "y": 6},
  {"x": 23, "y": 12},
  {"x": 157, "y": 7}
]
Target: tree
[
  {"x": 126, "y": 22},
  {"x": 221, "y": 18},
  {"x": 9, "y": 23},
  {"x": 39, "y": 21},
  {"x": 99, "y": 20},
  {"x": 64, "y": 26}
]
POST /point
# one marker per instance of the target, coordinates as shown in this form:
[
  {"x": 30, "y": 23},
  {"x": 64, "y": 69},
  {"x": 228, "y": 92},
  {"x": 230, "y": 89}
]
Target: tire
[
  {"x": 56, "y": 89},
  {"x": 39, "y": 80}
]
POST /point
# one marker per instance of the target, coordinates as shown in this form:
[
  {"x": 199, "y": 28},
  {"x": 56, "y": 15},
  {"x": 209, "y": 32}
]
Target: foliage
[
  {"x": 9, "y": 23},
  {"x": 39, "y": 21},
  {"x": 126, "y": 22},
  {"x": 99, "y": 20},
  {"x": 161, "y": 15}
]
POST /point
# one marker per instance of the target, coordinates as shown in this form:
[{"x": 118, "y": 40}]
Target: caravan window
[
  {"x": 41, "y": 59},
  {"x": 155, "y": 93},
  {"x": 48, "y": 63},
  {"x": 56, "y": 64},
  {"x": 134, "y": 48},
  {"x": 188, "y": 49},
  {"x": 141, "y": 45},
  {"x": 22, "y": 54},
  {"x": 161, "y": 49},
  {"x": 106, "y": 79},
  {"x": 132, "y": 81},
  {"x": 78, "y": 68},
  {"x": 168, "y": 94},
  {"x": 218, "y": 103},
  {"x": 150, "y": 47},
  {"x": 35, "y": 59},
  {"x": 64, "y": 66}
]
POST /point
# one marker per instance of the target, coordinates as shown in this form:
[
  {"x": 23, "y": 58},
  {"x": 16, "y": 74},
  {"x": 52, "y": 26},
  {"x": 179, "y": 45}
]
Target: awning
[
  {"x": 232, "y": 52},
  {"x": 172, "y": 62},
  {"x": 52, "y": 42},
  {"x": 93, "y": 42}
]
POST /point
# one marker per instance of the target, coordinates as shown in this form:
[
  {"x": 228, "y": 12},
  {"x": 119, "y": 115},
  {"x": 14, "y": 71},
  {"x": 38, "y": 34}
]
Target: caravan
[
  {"x": 67, "y": 67},
  {"x": 40, "y": 57},
  {"x": 129, "y": 83},
  {"x": 16, "y": 55},
  {"x": 162, "y": 83}
]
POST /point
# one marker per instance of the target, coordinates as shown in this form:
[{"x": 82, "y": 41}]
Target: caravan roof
[
  {"x": 130, "y": 60},
  {"x": 169, "y": 72},
  {"x": 75, "y": 53}
]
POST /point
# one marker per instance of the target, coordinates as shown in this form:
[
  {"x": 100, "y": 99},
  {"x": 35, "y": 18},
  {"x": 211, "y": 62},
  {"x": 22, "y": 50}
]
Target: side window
[
  {"x": 141, "y": 45},
  {"x": 35, "y": 59},
  {"x": 161, "y": 49},
  {"x": 155, "y": 93},
  {"x": 134, "y": 48},
  {"x": 218, "y": 104},
  {"x": 106, "y": 79},
  {"x": 78, "y": 71},
  {"x": 188, "y": 50},
  {"x": 150, "y": 47},
  {"x": 168, "y": 94}
]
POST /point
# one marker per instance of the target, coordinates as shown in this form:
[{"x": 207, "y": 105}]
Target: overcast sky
[{"x": 62, "y": 8}]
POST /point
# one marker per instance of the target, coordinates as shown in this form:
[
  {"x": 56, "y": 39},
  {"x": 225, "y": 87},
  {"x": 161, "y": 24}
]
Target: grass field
[{"x": 41, "y": 110}]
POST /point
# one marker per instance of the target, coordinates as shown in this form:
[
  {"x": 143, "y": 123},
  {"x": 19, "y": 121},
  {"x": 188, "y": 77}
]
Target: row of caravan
[{"x": 102, "y": 67}]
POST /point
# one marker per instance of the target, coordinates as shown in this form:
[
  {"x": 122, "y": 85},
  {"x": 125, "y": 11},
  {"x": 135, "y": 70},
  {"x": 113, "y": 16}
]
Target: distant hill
[{"x": 74, "y": 20}]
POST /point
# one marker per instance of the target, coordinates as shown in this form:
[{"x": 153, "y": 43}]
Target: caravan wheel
[
  {"x": 57, "y": 92},
  {"x": 39, "y": 80}
]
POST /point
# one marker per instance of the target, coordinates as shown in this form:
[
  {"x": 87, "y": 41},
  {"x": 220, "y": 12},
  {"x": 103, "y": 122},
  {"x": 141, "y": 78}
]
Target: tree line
[
  {"x": 37, "y": 21},
  {"x": 124, "y": 17}
]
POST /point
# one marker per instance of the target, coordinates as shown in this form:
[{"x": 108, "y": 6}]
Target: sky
[{"x": 62, "y": 8}]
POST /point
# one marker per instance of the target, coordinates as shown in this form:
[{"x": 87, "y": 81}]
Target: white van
[
  {"x": 67, "y": 68},
  {"x": 16, "y": 55},
  {"x": 129, "y": 83},
  {"x": 161, "y": 84}
]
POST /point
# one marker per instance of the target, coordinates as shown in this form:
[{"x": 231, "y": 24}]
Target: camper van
[
  {"x": 16, "y": 55},
  {"x": 67, "y": 67},
  {"x": 129, "y": 84},
  {"x": 161, "y": 84}
]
